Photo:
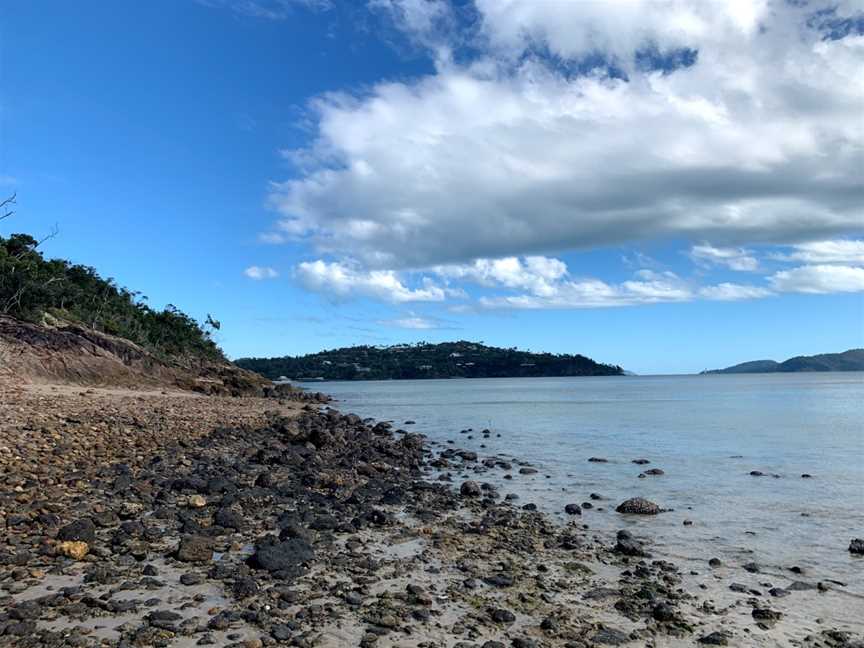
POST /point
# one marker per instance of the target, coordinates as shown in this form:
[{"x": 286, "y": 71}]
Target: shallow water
[{"x": 706, "y": 432}]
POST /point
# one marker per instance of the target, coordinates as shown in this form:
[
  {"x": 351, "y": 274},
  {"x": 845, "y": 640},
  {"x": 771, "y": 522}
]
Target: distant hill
[
  {"x": 851, "y": 360},
  {"x": 412, "y": 361}
]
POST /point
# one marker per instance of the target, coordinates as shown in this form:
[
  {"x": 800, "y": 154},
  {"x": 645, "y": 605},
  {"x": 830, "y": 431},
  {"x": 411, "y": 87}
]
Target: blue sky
[{"x": 319, "y": 174}]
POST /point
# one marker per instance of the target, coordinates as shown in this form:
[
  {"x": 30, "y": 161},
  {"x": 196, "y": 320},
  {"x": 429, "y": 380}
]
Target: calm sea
[{"x": 706, "y": 432}]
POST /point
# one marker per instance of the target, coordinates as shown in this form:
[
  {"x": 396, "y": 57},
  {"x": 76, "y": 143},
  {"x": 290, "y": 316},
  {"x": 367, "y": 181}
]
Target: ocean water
[{"x": 706, "y": 432}]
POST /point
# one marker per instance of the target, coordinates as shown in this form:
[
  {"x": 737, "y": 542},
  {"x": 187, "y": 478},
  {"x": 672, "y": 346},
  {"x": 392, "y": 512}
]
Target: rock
[
  {"x": 280, "y": 632},
  {"x": 500, "y": 615},
  {"x": 663, "y": 612},
  {"x": 197, "y": 501},
  {"x": 641, "y": 462},
  {"x": 527, "y": 471},
  {"x": 715, "y": 563},
  {"x": 757, "y": 473},
  {"x": 164, "y": 619},
  {"x": 638, "y": 506},
  {"x": 283, "y": 559},
  {"x": 194, "y": 549},
  {"x": 245, "y": 587},
  {"x": 715, "y": 639},
  {"x": 766, "y": 614},
  {"x": 470, "y": 489},
  {"x": 598, "y": 460},
  {"x": 610, "y": 637},
  {"x": 191, "y": 578},
  {"x": 751, "y": 567},
  {"x": 856, "y": 546},
  {"x": 655, "y": 471},
  {"x": 524, "y": 642},
  {"x": 573, "y": 509},
  {"x": 629, "y": 546},
  {"x": 229, "y": 519},
  {"x": 74, "y": 549},
  {"x": 83, "y": 530}
]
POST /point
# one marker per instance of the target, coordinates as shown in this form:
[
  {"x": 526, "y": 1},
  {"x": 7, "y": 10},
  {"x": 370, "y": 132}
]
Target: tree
[{"x": 33, "y": 287}]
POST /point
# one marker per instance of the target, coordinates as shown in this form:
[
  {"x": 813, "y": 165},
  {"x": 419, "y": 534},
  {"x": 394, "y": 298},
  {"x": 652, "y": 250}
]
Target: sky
[{"x": 667, "y": 185}]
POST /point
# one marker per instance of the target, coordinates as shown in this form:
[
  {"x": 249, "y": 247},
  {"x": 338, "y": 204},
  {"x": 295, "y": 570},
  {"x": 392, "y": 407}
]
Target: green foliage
[
  {"x": 411, "y": 361},
  {"x": 32, "y": 287}
]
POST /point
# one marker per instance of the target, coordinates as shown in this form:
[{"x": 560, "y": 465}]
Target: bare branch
[
  {"x": 55, "y": 230},
  {"x": 5, "y": 210}
]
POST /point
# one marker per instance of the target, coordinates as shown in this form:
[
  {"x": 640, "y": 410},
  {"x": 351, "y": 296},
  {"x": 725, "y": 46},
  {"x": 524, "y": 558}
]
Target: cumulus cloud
[
  {"x": 534, "y": 273},
  {"x": 733, "y": 258},
  {"x": 260, "y": 272},
  {"x": 819, "y": 279},
  {"x": 818, "y": 252},
  {"x": 647, "y": 287},
  {"x": 518, "y": 149},
  {"x": 343, "y": 280}
]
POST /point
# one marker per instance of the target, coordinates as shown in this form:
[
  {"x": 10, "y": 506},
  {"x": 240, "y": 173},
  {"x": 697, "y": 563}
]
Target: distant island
[
  {"x": 851, "y": 360},
  {"x": 423, "y": 360}
]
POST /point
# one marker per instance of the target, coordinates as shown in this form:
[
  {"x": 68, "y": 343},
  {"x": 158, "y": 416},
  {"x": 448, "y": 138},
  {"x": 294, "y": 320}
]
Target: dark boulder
[
  {"x": 856, "y": 546},
  {"x": 282, "y": 558},
  {"x": 82, "y": 530},
  {"x": 715, "y": 639},
  {"x": 470, "y": 489},
  {"x": 194, "y": 549},
  {"x": 229, "y": 519},
  {"x": 638, "y": 506}
]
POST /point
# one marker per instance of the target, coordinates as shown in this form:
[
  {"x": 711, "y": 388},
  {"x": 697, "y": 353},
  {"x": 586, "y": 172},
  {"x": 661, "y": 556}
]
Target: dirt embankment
[{"x": 70, "y": 354}]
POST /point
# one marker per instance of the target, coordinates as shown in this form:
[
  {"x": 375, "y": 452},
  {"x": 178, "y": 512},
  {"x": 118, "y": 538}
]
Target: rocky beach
[{"x": 164, "y": 518}]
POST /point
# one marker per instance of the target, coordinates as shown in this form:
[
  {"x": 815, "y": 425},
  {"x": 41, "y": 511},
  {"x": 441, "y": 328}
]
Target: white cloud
[
  {"x": 534, "y": 273},
  {"x": 759, "y": 141},
  {"x": 733, "y": 258},
  {"x": 648, "y": 288},
  {"x": 618, "y": 28},
  {"x": 260, "y": 272},
  {"x": 414, "y": 322},
  {"x": 733, "y": 292},
  {"x": 839, "y": 251},
  {"x": 343, "y": 280},
  {"x": 819, "y": 279}
]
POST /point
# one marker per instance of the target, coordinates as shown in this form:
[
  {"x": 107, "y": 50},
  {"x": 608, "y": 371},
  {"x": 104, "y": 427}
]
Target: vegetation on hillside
[
  {"x": 423, "y": 360},
  {"x": 851, "y": 360},
  {"x": 36, "y": 289}
]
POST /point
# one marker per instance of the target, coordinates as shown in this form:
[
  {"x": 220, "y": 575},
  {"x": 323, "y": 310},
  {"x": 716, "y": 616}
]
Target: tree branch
[{"x": 5, "y": 210}]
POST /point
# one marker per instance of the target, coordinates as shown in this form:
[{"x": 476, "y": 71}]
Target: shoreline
[{"x": 366, "y": 548}]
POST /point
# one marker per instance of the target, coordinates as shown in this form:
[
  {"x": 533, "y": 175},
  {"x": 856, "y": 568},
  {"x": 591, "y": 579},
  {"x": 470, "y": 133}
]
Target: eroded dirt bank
[{"x": 163, "y": 519}]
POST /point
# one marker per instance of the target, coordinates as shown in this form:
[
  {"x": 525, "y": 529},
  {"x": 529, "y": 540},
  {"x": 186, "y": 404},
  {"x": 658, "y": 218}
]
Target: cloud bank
[{"x": 573, "y": 126}]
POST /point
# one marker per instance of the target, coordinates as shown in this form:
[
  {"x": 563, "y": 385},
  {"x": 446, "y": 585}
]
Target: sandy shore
[{"x": 165, "y": 519}]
